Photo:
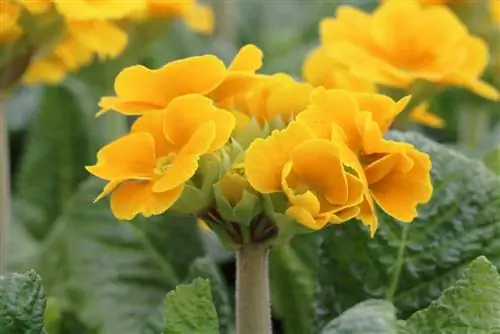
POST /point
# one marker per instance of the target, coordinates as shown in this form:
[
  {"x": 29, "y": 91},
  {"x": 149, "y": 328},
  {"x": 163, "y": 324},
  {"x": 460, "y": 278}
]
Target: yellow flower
[
  {"x": 495, "y": 10},
  {"x": 140, "y": 90},
  {"x": 98, "y": 10},
  {"x": 396, "y": 175},
  {"x": 321, "y": 70},
  {"x": 10, "y": 29},
  {"x": 232, "y": 184},
  {"x": 422, "y": 115},
  {"x": 36, "y": 6},
  {"x": 401, "y": 42},
  {"x": 81, "y": 40},
  {"x": 276, "y": 97},
  {"x": 199, "y": 17},
  {"x": 309, "y": 171},
  {"x": 148, "y": 168}
]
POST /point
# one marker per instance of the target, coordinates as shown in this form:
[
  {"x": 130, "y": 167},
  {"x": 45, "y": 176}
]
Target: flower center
[{"x": 163, "y": 164}]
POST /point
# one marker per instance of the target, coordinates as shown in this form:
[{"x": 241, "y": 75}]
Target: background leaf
[
  {"x": 471, "y": 305},
  {"x": 115, "y": 274},
  {"x": 368, "y": 317},
  {"x": 292, "y": 271},
  {"x": 189, "y": 309},
  {"x": 22, "y": 304},
  {"x": 410, "y": 264},
  {"x": 57, "y": 150}
]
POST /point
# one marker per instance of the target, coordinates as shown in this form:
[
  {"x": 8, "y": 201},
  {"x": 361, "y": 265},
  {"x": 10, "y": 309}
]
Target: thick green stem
[
  {"x": 253, "y": 310},
  {"x": 474, "y": 126},
  {"x": 5, "y": 208}
]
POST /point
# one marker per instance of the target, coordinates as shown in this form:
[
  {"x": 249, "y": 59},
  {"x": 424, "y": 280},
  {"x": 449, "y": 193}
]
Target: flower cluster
[
  {"x": 399, "y": 45},
  {"x": 82, "y": 29},
  {"x": 256, "y": 156}
]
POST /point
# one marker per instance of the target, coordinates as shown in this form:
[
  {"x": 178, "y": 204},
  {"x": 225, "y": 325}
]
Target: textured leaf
[
  {"x": 189, "y": 309},
  {"x": 471, "y": 305},
  {"x": 115, "y": 274},
  {"x": 411, "y": 264},
  {"x": 22, "y": 304},
  {"x": 206, "y": 268},
  {"x": 52, "y": 167},
  {"x": 368, "y": 317},
  {"x": 292, "y": 273}
]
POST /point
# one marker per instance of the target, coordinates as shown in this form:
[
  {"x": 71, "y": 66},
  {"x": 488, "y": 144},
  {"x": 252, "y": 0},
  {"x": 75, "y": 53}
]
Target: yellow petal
[
  {"x": 185, "y": 114},
  {"x": 399, "y": 193},
  {"x": 248, "y": 59},
  {"x": 288, "y": 100},
  {"x": 422, "y": 115},
  {"x": 383, "y": 108},
  {"x": 305, "y": 199},
  {"x": 367, "y": 214},
  {"x": 317, "y": 163},
  {"x": 185, "y": 164},
  {"x": 156, "y": 88},
  {"x": 132, "y": 198},
  {"x": 304, "y": 217},
  {"x": 105, "y": 9},
  {"x": 49, "y": 70},
  {"x": 103, "y": 37},
  {"x": 129, "y": 157},
  {"x": 108, "y": 188},
  {"x": 235, "y": 83},
  {"x": 37, "y": 6},
  {"x": 200, "y": 18},
  {"x": 265, "y": 158},
  {"x": 152, "y": 124}
]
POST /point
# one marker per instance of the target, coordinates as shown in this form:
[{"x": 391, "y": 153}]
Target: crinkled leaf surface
[
  {"x": 52, "y": 166},
  {"x": 411, "y": 264},
  {"x": 292, "y": 275},
  {"x": 189, "y": 309},
  {"x": 368, "y": 317},
  {"x": 471, "y": 305},
  {"x": 22, "y": 303},
  {"x": 206, "y": 268},
  {"x": 115, "y": 274}
]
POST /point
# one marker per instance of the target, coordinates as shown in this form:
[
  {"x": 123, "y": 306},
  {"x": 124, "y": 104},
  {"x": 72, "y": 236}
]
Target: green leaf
[
  {"x": 368, "y": 317},
  {"x": 292, "y": 273},
  {"x": 22, "y": 303},
  {"x": 410, "y": 264},
  {"x": 471, "y": 305},
  {"x": 206, "y": 268},
  {"x": 53, "y": 164},
  {"x": 492, "y": 161},
  {"x": 189, "y": 309},
  {"x": 115, "y": 274}
]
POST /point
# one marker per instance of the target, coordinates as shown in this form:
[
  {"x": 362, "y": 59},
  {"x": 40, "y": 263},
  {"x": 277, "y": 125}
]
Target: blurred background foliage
[{"x": 107, "y": 277}]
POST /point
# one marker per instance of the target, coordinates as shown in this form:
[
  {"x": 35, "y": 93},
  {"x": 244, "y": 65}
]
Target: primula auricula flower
[
  {"x": 321, "y": 70},
  {"x": 81, "y": 41},
  {"x": 140, "y": 90},
  {"x": 10, "y": 29},
  {"x": 148, "y": 168},
  {"x": 276, "y": 97},
  {"x": 396, "y": 175},
  {"x": 401, "y": 42},
  {"x": 310, "y": 172}
]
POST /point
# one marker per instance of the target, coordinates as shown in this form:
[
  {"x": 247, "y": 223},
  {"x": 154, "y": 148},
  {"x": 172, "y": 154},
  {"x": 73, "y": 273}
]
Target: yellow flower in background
[
  {"x": 321, "y": 70},
  {"x": 98, "y": 10},
  {"x": 198, "y": 17},
  {"x": 396, "y": 175},
  {"x": 309, "y": 171},
  {"x": 81, "y": 41},
  {"x": 140, "y": 90},
  {"x": 401, "y": 42},
  {"x": 10, "y": 29},
  {"x": 36, "y": 6},
  {"x": 495, "y": 10},
  {"x": 148, "y": 168},
  {"x": 276, "y": 97}
]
